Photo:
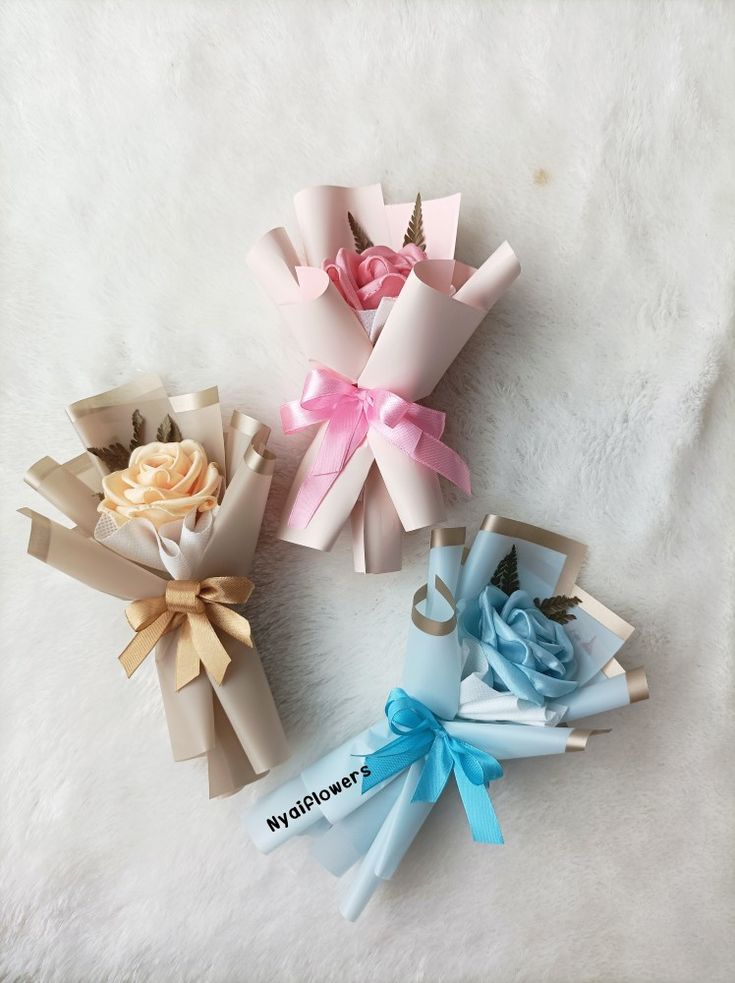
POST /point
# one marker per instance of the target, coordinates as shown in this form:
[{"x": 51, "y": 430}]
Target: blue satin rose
[{"x": 525, "y": 652}]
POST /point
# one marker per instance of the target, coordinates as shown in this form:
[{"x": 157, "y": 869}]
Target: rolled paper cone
[
  {"x": 273, "y": 261},
  {"x": 189, "y": 711},
  {"x": 425, "y": 331},
  {"x": 445, "y": 562},
  {"x": 275, "y": 806},
  {"x": 406, "y": 817},
  {"x": 228, "y": 766},
  {"x": 506, "y": 741},
  {"x": 618, "y": 691},
  {"x": 65, "y": 492},
  {"x": 345, "y": 761},
  {"x": 321, "y": 212},
  {"x": 389, "y": 847},
  {"x": 200, "y": 418},
  {"x": 433, "y": 663},
  {"x": 440, "y": 221},
  {"x": 107, "y": 418},
  {"x": 85, "y": 560},
  {"x": 82, "y": 467},
  {"x": 405, "y": 820},
  {"x": 413, "y": 488},
  {"x": 343, "y": 844},
  {"x": 328, "y": 771},
  {"x": 503, "y": 741},
  {"x": 327, "y": 330},
  {"x": 243, "y": 431},
  {"x": 376, "y": 528},
  {"x": 547, "y": 562},
  {"x": 482, "y": 559},
  {"x": 146, "y": 387},
  {"x": 240, "y": 516},
  {"x": 247, "y": 701},
  {"x": 491, "y": 280},
  {"x": 336, "y": 507}
]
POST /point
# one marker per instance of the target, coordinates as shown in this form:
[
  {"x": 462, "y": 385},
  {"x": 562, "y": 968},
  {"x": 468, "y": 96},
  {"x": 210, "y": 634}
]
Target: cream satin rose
[{"x": 162, "y": 482}]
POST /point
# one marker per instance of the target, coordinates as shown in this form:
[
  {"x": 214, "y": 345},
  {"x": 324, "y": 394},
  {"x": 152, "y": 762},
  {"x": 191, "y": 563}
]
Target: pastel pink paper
[
  {"x": 424, "y": 332},
  {"x": 440, "y": 219},
  {"x": 351, "y": 414},
  {"x": 321, "y": 213}
]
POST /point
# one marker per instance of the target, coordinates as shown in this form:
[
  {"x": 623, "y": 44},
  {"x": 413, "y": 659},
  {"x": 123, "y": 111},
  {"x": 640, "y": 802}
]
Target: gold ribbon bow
[{"x": 196, "y": 608}]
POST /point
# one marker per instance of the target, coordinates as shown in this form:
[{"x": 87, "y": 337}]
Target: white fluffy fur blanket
[{"x": 145, "y": 146}]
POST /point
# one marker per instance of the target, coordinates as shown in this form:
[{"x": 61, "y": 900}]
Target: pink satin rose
[{"x": 365, "y": 278}]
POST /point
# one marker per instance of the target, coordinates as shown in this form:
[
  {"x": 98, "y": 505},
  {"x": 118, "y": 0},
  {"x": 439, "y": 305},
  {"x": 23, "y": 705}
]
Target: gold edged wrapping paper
[
  {"x": 244, "y": 433},
  {"x": 65, "y": 491},
  {"x": 449, "y": 555},
  {"x": 72, "y": 552},
  {"x": 637, "y": 683},
  {"x": 571, "y": 548},
  {"x": 433, "y": 664},
  {"x": 234, "y": 724},
  {"x": 609, "y": 619},
  {"x": 200, "y": 418},
  {"x": 259, "y": 460},
  {"x": 448, "y": 536},
  {"x": 433, "y": 626},
  {"x": 578, "y": 739},
  {"x": 144, "y": 387}
]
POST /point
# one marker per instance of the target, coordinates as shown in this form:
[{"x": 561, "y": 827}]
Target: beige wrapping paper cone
[
  {"x": 247, "y": 700},
  {"x": 200, "y": 418},
  {"x": 235, "y": 724},
  {"x": 64, "y": 491}
]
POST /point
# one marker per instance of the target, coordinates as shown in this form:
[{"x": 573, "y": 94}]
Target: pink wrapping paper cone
[{"x": 376, "y": 450}]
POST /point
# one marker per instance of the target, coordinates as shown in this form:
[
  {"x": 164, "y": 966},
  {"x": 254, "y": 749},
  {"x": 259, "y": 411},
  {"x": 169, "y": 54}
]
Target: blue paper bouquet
[{"x": 504, "y": 651}]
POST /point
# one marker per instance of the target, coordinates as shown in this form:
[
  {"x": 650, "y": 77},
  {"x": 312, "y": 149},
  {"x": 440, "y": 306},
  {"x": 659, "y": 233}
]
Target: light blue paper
[{"x": 377, "y": 827}]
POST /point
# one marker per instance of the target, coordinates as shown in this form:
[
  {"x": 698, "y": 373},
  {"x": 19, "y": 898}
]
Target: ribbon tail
[
  {"x": 143, "y": 642},
  {"x": 435, "y": 774},
  {"x": 393, "y": 758},
  {"x": 187, "y": 657},
  {"x": 438, "y": 456},
  {"x": 477, "y": 804},
  {"x": 231, "y": 623},
  {"x": 208, "y": 648}
]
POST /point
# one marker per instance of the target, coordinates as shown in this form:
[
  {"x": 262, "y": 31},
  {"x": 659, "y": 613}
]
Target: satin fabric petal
[{"x": 525, "y": 652}]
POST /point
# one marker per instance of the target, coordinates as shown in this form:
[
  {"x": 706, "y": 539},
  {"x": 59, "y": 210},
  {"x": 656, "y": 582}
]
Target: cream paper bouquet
[{"x": 167, "y": 509}]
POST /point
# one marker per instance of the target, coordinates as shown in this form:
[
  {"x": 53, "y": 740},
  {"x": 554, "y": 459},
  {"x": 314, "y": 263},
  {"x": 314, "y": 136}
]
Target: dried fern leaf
[
  {"x": 557, "y": 608},
  {"x": 415, "y": 231},
  {"x": 362, "y": 240},
  {"x": 168, "y": 432},
  {"x": 138, "y": 426},
  {"x": 115, "y": 457},
  {"x": 506, "y": 573}
]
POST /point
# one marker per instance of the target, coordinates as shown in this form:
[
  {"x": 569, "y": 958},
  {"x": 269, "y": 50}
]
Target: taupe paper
[{"x": 235, "y": 724}]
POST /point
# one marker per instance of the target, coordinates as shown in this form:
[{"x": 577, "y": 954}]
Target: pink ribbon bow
[{"x": 350, "y": 412}]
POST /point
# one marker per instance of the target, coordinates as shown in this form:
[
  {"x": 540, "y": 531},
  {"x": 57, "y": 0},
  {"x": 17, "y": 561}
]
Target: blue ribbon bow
[{"x": 421, "y": 734}]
